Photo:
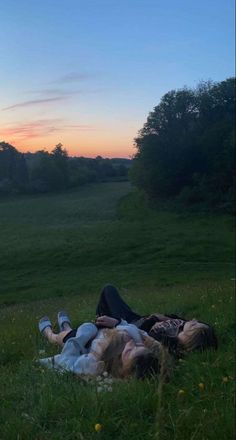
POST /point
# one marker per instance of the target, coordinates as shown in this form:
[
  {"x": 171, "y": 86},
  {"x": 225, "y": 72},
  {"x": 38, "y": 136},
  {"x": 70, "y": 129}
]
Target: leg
[
  {"x": 45, "y": 328},
  {"x": 111, "y": 304},
  {"x": 56, "y": 338}
]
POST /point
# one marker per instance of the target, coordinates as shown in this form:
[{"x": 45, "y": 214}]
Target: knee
[
  {"x": 109, "y": 290},
  {"x": 87, "y": 331}
]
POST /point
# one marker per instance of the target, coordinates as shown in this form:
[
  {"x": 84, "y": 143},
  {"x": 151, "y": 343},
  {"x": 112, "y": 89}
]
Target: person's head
[
  {"x": 146, "y": 360},
  {"x": 131, "y": 351},
  {"x": 197, "y": 336},
  {"x": 146, "y": 365},
  {"x": 123, "y": 359},
  {"x": 135, "y": 358}
]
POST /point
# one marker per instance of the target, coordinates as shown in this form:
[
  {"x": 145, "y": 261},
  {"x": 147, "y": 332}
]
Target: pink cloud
[{"x": 40, "y": 128}]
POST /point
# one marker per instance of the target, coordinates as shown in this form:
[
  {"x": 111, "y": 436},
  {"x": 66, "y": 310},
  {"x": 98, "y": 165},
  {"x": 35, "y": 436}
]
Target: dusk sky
[{"x": 87, "y": 73}]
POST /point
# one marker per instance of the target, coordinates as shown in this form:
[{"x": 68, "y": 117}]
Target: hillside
[{"x": 57, "y": 251}]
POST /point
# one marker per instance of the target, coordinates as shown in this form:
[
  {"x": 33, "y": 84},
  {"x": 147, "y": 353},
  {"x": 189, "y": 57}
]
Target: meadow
[{"x": 57, "y": 251}]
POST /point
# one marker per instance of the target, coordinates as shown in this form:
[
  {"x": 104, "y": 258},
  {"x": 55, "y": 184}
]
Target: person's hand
[
  {"x": 159, "y": 316},
  {"x": 106, "y": 321}
]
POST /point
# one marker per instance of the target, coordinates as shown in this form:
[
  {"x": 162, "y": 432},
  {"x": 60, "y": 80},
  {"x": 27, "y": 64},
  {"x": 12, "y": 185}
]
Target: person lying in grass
[
  {"x": 110, "y": 345},
  {"x": 179, "y": 334},
  {"x": 123, "y": 342}
]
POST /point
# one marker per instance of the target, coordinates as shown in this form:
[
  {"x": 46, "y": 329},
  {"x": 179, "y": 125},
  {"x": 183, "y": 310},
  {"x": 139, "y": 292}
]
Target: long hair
[
  {"x": 141, "y": 366},
  {"x": 115, "y": 344},
  {"x": 200, "y": 338},
  {"x": 196, "y": 339}
]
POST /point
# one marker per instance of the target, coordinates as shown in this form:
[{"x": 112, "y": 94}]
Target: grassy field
[{"x": 57, "y": 251}]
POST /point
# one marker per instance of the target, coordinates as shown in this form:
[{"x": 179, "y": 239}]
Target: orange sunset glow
[
  {"x": 78, "y": 140},
  {"x": 89, "y": 76}
]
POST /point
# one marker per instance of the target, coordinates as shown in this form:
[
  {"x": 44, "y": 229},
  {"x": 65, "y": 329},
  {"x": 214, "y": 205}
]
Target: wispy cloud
[
  {"x": 35, "y": 102},
  {"x": 32, "y": 129},
  {"x": 62, "y": 93},
  {"x": 72, "y": 77},
  {"x": 41, "y": 128},
  {"x": 49, "y": 92}
]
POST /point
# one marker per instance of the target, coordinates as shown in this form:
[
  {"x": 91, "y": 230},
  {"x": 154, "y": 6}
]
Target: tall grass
[{"x": 56, "y": 253}]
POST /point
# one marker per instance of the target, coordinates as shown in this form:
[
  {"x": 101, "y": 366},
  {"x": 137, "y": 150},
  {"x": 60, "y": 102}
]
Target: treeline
[
  {"x": 185, "y": 150},
  {"x": 42, "y": 171}
]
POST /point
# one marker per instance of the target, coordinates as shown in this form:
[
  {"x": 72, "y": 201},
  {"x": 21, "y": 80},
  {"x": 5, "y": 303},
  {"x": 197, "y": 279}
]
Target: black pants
[{"x": 111, "y": 304}]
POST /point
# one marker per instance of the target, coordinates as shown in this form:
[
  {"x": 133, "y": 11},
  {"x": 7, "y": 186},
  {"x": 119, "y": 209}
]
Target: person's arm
[
  {"x": 159, "y": 316},
  {"x": 131, "y": 330},
  {"x": 107, "y": 321}
]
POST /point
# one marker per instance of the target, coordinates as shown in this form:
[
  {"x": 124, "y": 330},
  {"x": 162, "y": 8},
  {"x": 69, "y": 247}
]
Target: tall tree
[
  {"x": 187, "y": 143},
  {"x": 13, "y": 169},
  {"x": 60, "y": 159}
]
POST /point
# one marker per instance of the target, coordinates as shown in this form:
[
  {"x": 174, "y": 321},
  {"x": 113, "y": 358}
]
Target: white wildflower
[
  {"x": 27, "y": 417},
  {"x": 41, "y": 352},
  {"x": 108, "y": 381}
]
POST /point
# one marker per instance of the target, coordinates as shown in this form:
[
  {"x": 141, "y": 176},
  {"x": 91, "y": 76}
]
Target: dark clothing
[
  {"x": 164, "y": 331},
  {"x": 171, "y": 328},
  {"x": 111, "y": 304},
  {"x": 69, "y": 335}
]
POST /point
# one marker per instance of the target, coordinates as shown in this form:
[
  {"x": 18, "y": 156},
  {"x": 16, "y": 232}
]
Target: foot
[
  {"x": 63, "y": 321},
  {"x": 44, "y": 323}
]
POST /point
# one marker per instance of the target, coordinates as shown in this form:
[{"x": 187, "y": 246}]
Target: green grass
[{"x": 56, "y": 253}]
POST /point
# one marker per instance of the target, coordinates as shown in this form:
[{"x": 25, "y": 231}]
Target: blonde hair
[
  {"x": 199, "y": 338},
  {"x": 116, "y": 341}
]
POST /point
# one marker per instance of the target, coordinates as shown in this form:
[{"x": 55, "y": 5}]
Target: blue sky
[{"x": 86, "y": 73}]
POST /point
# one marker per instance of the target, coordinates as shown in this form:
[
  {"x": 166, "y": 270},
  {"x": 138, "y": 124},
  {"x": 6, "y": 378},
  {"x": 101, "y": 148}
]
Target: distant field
[{"x": 57, "y": 251}]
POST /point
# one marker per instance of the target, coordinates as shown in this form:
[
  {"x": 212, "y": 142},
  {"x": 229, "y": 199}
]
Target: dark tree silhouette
[
  {"x": 13, "y": 169},
  {"x": 44, "y": 172},
  {"x": 185, "y": 149}
]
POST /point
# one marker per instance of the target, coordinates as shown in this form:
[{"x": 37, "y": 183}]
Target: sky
[{"x": 86, "y": 73}]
